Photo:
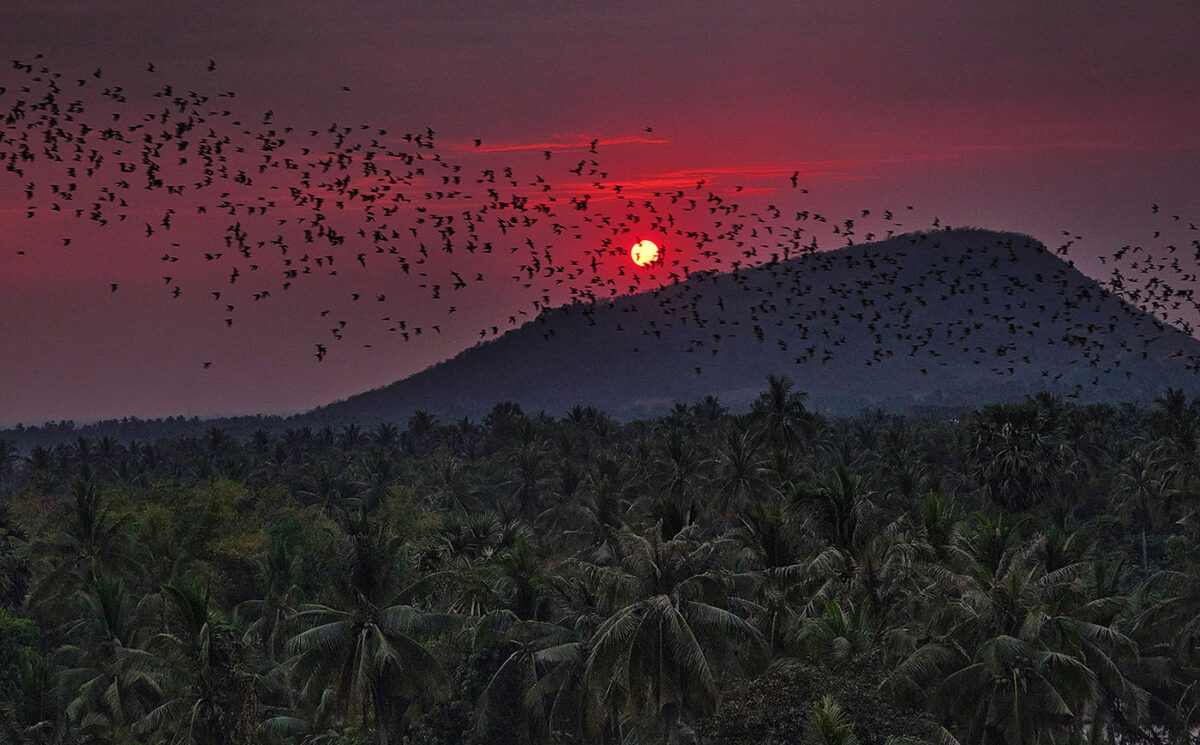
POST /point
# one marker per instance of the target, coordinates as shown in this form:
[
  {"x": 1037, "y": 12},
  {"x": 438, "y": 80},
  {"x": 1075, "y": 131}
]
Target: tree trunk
[
  {"x": 671, "y": 715},
  {"x": 388, "y": 711}
]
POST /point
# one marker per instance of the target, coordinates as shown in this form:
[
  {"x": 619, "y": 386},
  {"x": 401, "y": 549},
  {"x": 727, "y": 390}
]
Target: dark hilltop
[{"x": 934, "y": 320}]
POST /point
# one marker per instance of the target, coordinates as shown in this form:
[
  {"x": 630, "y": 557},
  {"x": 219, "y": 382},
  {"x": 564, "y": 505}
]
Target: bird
[{"x": 412, "y": 207}]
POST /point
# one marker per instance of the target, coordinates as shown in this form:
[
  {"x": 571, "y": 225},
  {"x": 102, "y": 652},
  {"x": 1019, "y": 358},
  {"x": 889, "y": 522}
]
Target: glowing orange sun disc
[{"x": 644, "y": 252}]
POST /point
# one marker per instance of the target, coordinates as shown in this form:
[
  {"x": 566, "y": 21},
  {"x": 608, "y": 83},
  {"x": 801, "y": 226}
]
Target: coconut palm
[
  {"x": 676, "y": 474},
  {"x": 282, "y": 598},
  {"x": 526, "y": 484},
  {"x": 1146, "y": 491},
  {"x": 30, "y": 709},
  {"x": 1178, "y": 609},
  {"x": 531, "y": 655},
  {"x": 419, "y": 434},
  {"x": 8, "y": 463},
  {"x": 673, "y": 625},
  {"x": 1019, "y": 655},
  {"x": 590, "y": 525},
  {"x": 91, "y": 544},
  {"x": 208, "y": 693},
  {"x": 369, "y": 652},
  {"x": 381, "y": 472},
  {"x": 771, "y": 552},
  {"x": 14, "y": 567},
  {"x": 1177, "y": 420},
  {"x": 841, "y": 502},
  {"x": 100, "y": 670},
  {"x": 739, "y": 472},
  {"x": 837, "y": 635},
  {"x": 781, "y": 413},
  {"x": 828, "y": 724},
  {"x": 316, "y": 725}
]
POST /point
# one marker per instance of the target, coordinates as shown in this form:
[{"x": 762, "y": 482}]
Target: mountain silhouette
[{"x": 950, "y": 318}]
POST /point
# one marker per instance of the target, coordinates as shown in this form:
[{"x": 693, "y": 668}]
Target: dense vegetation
[{"x": 1028, "y": 573}]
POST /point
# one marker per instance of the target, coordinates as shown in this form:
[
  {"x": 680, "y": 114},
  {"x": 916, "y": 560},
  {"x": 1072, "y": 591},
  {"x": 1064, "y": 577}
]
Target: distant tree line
[{"x": 1026, "y": 573}]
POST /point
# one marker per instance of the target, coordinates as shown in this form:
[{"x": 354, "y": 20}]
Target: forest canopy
[{"x": 1025, "y": 573}]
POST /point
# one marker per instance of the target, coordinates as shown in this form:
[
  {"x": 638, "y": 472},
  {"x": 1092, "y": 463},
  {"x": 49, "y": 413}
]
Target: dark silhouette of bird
[{"x": 409, "y": 213}]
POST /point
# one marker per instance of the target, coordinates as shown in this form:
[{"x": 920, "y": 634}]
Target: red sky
[{"x": 1036, "y": 119}]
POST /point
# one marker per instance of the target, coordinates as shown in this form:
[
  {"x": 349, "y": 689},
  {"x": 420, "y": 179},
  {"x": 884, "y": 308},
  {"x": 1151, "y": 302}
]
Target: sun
[{"x": 644, "y": 252}]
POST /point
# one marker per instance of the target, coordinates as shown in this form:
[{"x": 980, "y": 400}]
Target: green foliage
[
  {"x": 17, "y": 636},
  {"x": 1026, "y": 574}
]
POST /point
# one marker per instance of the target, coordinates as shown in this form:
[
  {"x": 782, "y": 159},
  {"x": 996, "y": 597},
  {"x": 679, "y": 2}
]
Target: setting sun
[{"x": 644, "y": 252}]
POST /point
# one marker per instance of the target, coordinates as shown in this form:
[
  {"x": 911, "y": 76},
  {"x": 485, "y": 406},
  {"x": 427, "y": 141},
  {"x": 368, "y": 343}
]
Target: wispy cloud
[{"x": 750, "y": 178}]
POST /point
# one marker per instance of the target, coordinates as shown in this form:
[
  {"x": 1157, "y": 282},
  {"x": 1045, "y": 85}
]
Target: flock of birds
[
  {"x": 244, "y": 208},
  {"x": 972, "y": 296}
]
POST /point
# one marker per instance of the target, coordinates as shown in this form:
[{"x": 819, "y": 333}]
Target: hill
[{"x": 942, "y": 319}]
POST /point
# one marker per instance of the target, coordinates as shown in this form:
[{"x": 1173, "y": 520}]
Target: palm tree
[
  {"x": 369, "y": 653},
  {"x": 677, "y": 472},
  {"x": 381, "y": 472},
  {"x": 1014, "y": 452},
  {"x": 526, "y": 482},
  {"x": 282, "y": 598},
  {"x": 782, "y": 415},
  {"x": 14, "y": 567},
  {"x": 531, "y": 670},
  {"x": 708, "y": 412},
  {"x": 318, "y": 725},
  {"x": 842, "y": 502},
  {"x": 351, "y": 438},
  {"x": 386, "y": 435},
  {"x": 836, "y": 636},
  {"x": 1178, "y": 609},
  {"x": 92, "y": 543},
  {"x": 590, "y": 525},
  {"x": 100, "y": 669},
  {"x": 419, "y": 433},
  {"x": 30, "y": 710},
  {"x": 1145, "y": 491},
  {"x": 209, "y": 695},
  {"x": 8, "y": 461},
  {"x": 520, "y": 581},
  {"x": 876, "y": 570},
  {"x": 82, "y": 456},
  {"x": 939, "y": 525},
  {"x": 658, "y": 654},
  {"x": 1177, "y": 420},
  {"x": 1019, "y": 655},
  {"x": 770, "y": 539},
  {"x": 739, "y": 471},
  {"x": 466, "y": 439},
  {"x": 828, "y": 724},
  {"x": 327, "y": 488}
]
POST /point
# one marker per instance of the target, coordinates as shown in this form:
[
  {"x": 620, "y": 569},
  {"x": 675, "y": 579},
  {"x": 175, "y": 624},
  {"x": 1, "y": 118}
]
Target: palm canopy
[
  {"x": 673, "y": 620},
  {"x": 371, "y": 658},
  {"x": 368, "y": 652},
  {"x": 1023, "y": 651}
]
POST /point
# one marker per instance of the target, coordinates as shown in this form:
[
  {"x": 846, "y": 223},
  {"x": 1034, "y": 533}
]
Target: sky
[{"x": 1051, "y": 119}]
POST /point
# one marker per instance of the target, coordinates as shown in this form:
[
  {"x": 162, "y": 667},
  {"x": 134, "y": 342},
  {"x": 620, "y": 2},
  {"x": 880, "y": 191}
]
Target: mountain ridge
[{"x": 946, "y": 318}]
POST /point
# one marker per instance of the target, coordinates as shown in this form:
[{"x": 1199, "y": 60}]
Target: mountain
[{"x": 940, "y": 319}]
